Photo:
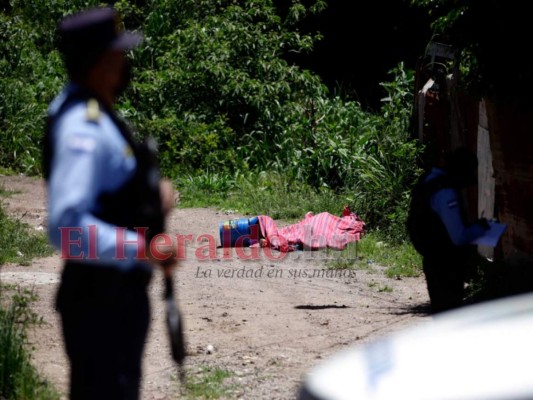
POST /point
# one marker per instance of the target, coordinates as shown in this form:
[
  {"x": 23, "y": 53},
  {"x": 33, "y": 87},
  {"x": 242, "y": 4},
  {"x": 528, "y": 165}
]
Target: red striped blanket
[{"x": 314, "y": 232}]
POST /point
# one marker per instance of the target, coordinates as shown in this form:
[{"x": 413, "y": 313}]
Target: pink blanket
[{"x": 314, "y": 232}]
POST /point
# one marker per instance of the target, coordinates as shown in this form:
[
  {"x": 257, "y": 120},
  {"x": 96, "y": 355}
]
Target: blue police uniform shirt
[
  {"x": 446, "y": 204},
  {"x": 91, "y": 158}
]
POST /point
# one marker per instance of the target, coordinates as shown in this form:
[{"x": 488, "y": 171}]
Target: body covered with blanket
[{"x": 314, "y": 232}]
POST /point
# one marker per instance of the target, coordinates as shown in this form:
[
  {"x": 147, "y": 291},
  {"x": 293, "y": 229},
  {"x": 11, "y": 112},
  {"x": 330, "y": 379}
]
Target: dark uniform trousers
[
  {"x": 105, "y": 317},
  {"x": 445, "y": 277}
]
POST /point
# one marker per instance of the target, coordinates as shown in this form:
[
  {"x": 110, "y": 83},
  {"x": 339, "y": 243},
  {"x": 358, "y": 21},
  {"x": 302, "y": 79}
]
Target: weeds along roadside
[
  {"x": 282, "y": 199},
  {"x": 232, "y": 117},
  {"x": 19, "y": 379}
]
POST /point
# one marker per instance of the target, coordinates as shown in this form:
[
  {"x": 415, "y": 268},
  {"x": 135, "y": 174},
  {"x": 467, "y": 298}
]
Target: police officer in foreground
[
  {"x": 437, "y": 228},
  {"x": 102, "y": 184}
]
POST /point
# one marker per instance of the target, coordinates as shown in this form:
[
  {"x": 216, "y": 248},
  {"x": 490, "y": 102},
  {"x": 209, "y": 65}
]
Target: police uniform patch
[
  {"x": 93, "y": 110},
  {"x": 81, "y": 143}
]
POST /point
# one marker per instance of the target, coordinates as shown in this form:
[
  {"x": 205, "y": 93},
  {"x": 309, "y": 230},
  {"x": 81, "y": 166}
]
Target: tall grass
[
  {"x": 19, "y": 379},
  {"x": 260, "y": 193},
  {"x": 332, "y": 154},
  {"x": 280, "y": 198}
]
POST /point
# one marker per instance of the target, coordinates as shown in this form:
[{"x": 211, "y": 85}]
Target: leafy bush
[
  {"x": 212, "y": 85},
  {"x": 27, "y": 83},
  {"x": 386, "y": 165},
  {"x": 31, "y": 73}
]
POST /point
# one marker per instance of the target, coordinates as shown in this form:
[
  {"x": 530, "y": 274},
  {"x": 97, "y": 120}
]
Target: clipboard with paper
[{"x": 492, "y": 235}]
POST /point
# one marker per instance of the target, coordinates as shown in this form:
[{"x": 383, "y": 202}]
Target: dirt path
[{"x": 268, "y": 327}]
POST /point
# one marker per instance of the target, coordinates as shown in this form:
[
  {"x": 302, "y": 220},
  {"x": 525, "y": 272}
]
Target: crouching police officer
[{"x": 102, "y": 184}]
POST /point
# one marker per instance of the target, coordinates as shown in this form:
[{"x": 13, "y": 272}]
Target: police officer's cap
[{"x": 86, "y": 35}]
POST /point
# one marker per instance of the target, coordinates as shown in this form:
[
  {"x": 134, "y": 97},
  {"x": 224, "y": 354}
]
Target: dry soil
[{"x": 265, "y": 321}]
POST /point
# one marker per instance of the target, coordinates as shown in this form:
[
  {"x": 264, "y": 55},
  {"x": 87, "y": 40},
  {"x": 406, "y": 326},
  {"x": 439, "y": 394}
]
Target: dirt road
[{"x": 269, "y": 320}]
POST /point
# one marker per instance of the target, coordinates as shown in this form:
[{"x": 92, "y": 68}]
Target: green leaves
[
  {"x": 220, "y": 63},
  {"x": 488, "y": 38},
  {"x": 212, "y": 85}
]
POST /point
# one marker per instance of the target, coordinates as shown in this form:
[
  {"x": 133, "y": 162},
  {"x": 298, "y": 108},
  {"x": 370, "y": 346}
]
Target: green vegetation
[
  {"x": 5, "y": 193},
  {"x": 19, "y": 245},
  {"x": 6, "y": 171},
  {"x": 18, "y": 378},
  {"x": 352, "y": 157},
  {"x": 487, "y": 37},
  {"x": 400, "y": 259},
  {"x": 238, "y": 128},
  {"x": 263, "y": 193},
  {"x": 385, "y": 289},
  {"x": 209, "y": 383},
  {"x": 380, "y": 289},
  {"x": 231, "y": 115}
]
